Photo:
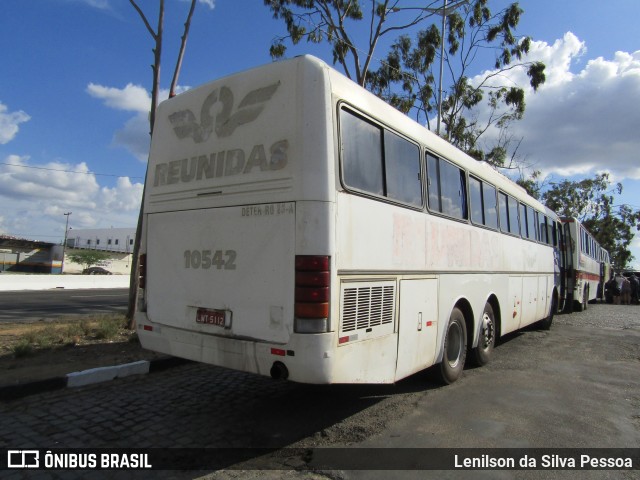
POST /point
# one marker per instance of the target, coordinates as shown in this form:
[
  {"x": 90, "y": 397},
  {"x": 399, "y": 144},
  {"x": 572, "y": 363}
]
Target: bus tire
[
  {"x": 545, "y": 323},
  {"x": 581, "y": 305},
  {"x": 454, "y": 349},
  {"x": 487, "y": 340}
]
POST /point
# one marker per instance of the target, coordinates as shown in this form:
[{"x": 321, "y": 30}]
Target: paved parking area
[{"x": 575, "y": 386}]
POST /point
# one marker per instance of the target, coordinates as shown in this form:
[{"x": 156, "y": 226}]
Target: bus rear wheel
[
  {"x": 581, "y": 306},
  {"x": 455, "y": 349},
  {"x": 482, "y": 353}
]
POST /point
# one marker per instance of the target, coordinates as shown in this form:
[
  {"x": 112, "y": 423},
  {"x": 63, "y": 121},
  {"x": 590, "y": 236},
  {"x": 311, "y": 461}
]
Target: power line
[{"x": 68, "y": 171}]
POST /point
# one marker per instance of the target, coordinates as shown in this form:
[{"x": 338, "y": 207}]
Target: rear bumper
[{"x": 307, "y": 357}]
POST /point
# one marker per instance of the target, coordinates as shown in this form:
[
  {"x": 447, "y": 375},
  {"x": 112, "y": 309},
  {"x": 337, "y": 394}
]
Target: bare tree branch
[
  {"x": 183, "y": 44},
  {"x": 144, "y": 18}
]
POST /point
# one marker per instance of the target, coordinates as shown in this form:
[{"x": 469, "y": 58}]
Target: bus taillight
[{"x": 312, "y": 294}]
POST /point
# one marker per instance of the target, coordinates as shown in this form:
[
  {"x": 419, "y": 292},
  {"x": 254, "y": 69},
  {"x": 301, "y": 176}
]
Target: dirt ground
[{"x": 82, "y": 354}]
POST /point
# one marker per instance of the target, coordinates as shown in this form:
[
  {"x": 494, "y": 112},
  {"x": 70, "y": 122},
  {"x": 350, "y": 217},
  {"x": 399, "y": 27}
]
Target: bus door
[
  {"x": 417, "y": 326},
  {"x": 569, "y": 274},
  {"x": 561, "y": 273}
]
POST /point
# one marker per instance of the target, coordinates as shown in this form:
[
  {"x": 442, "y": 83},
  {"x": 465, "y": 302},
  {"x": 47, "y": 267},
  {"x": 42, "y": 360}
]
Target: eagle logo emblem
[{"x": 225, "y": 122}]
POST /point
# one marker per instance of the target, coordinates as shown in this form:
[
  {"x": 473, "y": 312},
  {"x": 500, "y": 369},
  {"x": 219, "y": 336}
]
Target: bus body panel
[{"x": 206, "y": 261}]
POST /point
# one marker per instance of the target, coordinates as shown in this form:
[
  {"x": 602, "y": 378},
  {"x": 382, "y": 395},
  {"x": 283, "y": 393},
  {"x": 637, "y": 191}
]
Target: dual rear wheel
[{"x": 455, "y": 345}]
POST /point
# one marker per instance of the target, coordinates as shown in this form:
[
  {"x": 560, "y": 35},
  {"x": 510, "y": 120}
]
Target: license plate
[{"x": 211, "y": 317}]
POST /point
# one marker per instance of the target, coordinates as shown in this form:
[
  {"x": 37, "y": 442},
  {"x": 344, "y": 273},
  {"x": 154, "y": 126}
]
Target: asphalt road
[{"x": 33, "y": 306}]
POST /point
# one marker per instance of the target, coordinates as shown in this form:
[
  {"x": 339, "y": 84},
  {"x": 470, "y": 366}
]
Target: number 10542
[{"x": 206, "y": 259}]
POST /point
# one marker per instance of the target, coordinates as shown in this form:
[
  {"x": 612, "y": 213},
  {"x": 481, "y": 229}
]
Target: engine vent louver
[{"x": 367, "y": 306}]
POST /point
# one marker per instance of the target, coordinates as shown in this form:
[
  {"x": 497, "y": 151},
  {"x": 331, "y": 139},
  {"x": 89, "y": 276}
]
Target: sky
[{"x": 75, "y": 81}]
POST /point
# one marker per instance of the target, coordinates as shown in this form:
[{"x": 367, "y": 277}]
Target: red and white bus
[{"x": 589, "y": 265}]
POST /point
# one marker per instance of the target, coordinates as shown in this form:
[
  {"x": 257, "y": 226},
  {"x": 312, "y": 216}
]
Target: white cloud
[
  {"x": 99, "y": 4},
  {"x": 35, "y": 198},
  {"x": 134, "y": 135},
  {"x": 207, "y": 3},
  {"x": 582, "y": 122},
  {"x": 54, "y": 181},
  {"x": 9, "y": 122},
  {"x": 130, "y": 98},
  {"x": 125, "y": 196}
]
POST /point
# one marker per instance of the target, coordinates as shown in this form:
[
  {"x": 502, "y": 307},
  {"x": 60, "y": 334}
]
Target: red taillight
[
  {"x": 312, "y": 293},
  {"x": 142, "y": 271},
  {"x": 312, "y": 263}
]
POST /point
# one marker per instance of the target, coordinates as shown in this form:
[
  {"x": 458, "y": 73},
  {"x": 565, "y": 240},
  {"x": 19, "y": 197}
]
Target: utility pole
[
  {"x": 64, "y": 245},
  {"x": 444, "y": 11}
]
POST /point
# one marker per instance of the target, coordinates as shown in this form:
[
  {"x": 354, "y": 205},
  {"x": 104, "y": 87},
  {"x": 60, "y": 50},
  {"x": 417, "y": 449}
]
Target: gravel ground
[{"x": 602, "y": 315}]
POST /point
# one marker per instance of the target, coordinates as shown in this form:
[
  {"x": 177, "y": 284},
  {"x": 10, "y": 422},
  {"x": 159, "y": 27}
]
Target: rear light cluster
[{"x": 312, "y": 294}]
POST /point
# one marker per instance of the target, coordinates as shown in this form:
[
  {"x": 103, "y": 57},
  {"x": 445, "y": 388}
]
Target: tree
[
  {"x": 88, "y": 258},
  {"x": 406, "y": 77},
  {"x": 157, "y": 36},
  {"x": 532, "y": 185},
  {"x": 592, "y": 202},
  {"x": 335, "y": 21}
]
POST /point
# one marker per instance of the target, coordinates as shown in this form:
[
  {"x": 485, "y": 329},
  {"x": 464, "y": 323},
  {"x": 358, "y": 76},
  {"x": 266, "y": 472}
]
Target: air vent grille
[{"x": 366, "y": 306}]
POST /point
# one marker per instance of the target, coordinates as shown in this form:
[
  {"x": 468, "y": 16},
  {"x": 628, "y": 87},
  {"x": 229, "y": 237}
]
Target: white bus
[
  {"x": 590, "y": 266},
  {"x": 297, "y": 226}
]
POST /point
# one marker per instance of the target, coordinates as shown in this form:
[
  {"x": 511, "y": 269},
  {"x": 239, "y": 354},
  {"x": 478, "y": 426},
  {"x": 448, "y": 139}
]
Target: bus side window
[
  {"x": 361, "y": 144},
  {"x": 543, "y": 229},
  {"x": 402, "y": 168},
  {"x": 504, "y": 212},
  {"x": 475, "y": 196},
  {"x": 532, "y": 220},
  {"x": 447, "y": 188},
  {"x": 490, "y": 207},
  {"x": 513, "y": 216},
  {"x": 433, "y": 183},
  {"x": 524, "y": 232},
  {"x": 379, "y": 162}
]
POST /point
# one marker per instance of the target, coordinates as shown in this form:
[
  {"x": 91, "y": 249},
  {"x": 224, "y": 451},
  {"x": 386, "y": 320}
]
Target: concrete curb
[{"x": 89, "y": 377}]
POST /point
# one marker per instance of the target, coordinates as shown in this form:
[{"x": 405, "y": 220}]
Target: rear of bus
[{"x": 237, "y": 234}]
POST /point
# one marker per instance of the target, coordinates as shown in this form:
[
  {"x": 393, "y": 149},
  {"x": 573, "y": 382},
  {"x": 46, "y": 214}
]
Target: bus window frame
[{"x": 355, "y": 112}]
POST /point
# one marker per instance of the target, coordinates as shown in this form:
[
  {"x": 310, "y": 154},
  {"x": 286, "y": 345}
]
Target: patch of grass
[
  {"x": 108, "y": 328},
  {"x": 22, "y": 349},
  {"x": 70, "y": 331}
]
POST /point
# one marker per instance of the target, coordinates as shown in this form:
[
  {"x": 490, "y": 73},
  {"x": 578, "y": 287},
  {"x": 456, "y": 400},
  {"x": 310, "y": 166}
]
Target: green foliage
[
  {"x": 88, "y": 258},
  {"x": 108, "y": 328},
  {"x": 22, "y": 349},
  {"x": 592, "y": 201},
  {"x": 532, "y": 184},
  {"x": 470, "y": 29},
  {"x": 405, "y": 77}
]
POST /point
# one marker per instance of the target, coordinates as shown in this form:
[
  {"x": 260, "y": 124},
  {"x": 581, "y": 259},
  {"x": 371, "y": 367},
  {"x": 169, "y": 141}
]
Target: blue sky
[{"x": 76, "y": 75}]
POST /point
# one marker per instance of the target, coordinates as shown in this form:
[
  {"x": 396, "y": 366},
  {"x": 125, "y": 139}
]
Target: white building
[
  {"x": 117, "y": 242},
  {"x": 107, "y": 239}
]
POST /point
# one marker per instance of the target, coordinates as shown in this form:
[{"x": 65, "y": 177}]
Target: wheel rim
[
  {"x": 488, "y": 332},
  {"x": 454, "y": 344}
]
